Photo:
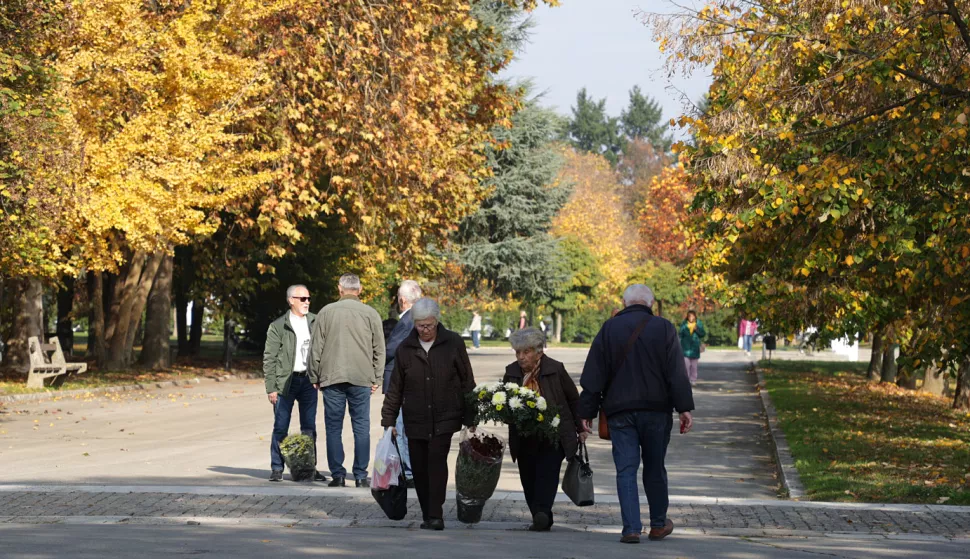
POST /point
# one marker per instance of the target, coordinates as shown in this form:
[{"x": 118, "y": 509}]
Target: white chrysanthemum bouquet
[{"x": 512, "y": 404}]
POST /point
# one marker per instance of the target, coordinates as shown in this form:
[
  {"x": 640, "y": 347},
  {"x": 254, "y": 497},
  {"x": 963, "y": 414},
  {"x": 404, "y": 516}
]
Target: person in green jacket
[
  {"x": 285, "y": 374},
  {"x": 692, "y": 333}
]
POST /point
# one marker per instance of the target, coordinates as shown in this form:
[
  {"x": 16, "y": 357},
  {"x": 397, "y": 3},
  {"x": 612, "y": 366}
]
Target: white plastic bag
[
  {"x": 387, "y": 463},
  {"x": 740, "y": 342}
]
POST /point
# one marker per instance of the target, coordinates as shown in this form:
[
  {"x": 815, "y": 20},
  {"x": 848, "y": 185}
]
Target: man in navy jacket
[
  {"x": 635, "y": 373},
  {"x": 408, "y": 292}
]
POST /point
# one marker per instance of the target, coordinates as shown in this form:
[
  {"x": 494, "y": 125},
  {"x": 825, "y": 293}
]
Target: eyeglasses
[
  {"x": 301, "y": 299},
  {"x": 426, "y": 327}
]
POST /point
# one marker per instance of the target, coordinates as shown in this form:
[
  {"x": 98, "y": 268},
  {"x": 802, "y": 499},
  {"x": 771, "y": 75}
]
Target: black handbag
[
  {"x": 394, "y": 499},
  {"x": 577, "y": 483}
]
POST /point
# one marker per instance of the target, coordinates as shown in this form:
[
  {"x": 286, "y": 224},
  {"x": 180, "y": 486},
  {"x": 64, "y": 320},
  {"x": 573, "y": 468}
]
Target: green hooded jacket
[{"x": 691, "y": 343}]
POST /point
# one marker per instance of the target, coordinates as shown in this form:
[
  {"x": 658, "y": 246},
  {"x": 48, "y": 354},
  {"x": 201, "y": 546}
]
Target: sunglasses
[{"x": 301, "y": 299}]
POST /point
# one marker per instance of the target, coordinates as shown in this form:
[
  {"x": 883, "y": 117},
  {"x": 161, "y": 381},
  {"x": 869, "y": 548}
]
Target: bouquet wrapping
[
  {"x": 479, "y": 466},
  {"x": 300, "y": 456}
]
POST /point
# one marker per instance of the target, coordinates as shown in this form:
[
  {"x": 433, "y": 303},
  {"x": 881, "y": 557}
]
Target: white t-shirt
[
  {"x": 426, "y": 345},
  {"x": 476, "y": 323},
  {"x": 302, "y": 329}
]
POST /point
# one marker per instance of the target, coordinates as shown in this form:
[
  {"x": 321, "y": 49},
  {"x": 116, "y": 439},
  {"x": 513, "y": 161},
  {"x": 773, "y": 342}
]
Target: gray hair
[
  {"x": 410, "y": 291},
  {"x": 425, "y": 308},
  {"x": 349, "y": 282},
  {"x": 528, "y": 338},
  {"x": 638, "y": 294},
  {"x": 292, "y": 289}
]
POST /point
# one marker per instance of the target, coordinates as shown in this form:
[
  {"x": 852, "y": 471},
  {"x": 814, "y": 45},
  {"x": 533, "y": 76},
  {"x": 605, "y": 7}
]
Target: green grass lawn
[{"x": 855, "y": 441}]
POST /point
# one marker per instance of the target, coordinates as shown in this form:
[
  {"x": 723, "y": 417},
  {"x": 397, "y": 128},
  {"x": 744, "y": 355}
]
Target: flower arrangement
[
  {"x": 515, "y": 405},
  {"x": 476, "y": 474}
]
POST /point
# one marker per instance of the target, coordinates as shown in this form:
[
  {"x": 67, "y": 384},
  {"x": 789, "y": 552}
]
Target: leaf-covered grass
[
  {"x": 16, "y": 383},
  {"x": 855, "y": 441}
]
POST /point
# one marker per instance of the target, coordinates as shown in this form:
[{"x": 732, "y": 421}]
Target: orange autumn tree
[{"x": 662, "y": 214}]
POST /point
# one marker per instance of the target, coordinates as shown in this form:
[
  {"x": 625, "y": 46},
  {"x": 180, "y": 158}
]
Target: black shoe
[
  {"x": 541, "y": 522},
  {"x": 362, "y": 482},
  {"x": 337, "y": 482},
  {"x": 410, "y": 483},
  {"x": 277, "y": 475},
  {"x": 433, "y": 524},
  {"x": 319, "y": 477}
]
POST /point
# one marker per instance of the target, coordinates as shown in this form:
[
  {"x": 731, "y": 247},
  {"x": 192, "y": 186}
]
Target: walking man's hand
[
  {"x": 373, "y": 388},
  {"x": 272, "y": 397},
  {"x": 686, "y": 422},
  {"x": 316, "y": 386},
  {"x": 588, "y": 425}
]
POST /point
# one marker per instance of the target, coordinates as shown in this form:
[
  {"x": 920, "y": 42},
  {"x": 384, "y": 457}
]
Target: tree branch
[{"x": 961, "y": 25}]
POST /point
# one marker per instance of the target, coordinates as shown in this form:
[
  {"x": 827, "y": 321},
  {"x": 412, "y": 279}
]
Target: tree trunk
[
  {"x": 906, "y": 378},
  {"x": 557, "y": 316},
  {"x": 181, "y": 324},
  {"x": 888, "y": 373},
  {"x": 65, "y": 324},
  {"x": 660, "y": 307},
  {"x": 96, "y": 326},
  {"x": 156, "y": 352},
  {"x": 934, "y": 381},
  {"x": 27, "y": 321},
  {"x": 134, "y": 296},
  {"x": 961, "y": 399},
  {"x": 195, "y": 333},
  {"x": 875, "y": 362}
]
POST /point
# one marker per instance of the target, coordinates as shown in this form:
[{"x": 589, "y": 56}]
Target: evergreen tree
[
  {"x": 506, "y": 243},
  {"x": 592, "y": 130},
  {"x": 643, "y": 120}
]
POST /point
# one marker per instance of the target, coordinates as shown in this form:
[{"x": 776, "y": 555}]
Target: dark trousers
[
  {"x": 302, "y": 393},
  {"x": 336, "y": 399},
  {"x": 429, "y": 463},
  {"x": 636, "y": 436},
  {"x": 539, "y": 465}
]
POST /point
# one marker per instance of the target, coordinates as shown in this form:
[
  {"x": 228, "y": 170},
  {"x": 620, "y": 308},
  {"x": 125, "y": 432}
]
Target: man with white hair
[
  {"x": 347, "y": 364},
  {"x": 407, "y": 294},
  {"x": 285, "y": 374},
  {"x": 635, "y": 374}
]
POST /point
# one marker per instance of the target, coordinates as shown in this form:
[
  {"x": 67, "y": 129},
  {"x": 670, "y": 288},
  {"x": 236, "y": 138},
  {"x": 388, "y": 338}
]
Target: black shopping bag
[
  {"x": 578, "y": 481},
  {"x": 394, "y": 499}
]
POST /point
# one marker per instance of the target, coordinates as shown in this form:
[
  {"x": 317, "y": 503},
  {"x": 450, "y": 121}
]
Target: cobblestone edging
[
  {"x": 51, "y": 394},
  {"x": 784, "y": 461},
  {"x": 361, "y": 510}
]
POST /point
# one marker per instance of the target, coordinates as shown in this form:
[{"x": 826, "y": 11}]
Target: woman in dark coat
[
  {"x": 431, "y": 376},
  {"x": 539, "y": 460}
]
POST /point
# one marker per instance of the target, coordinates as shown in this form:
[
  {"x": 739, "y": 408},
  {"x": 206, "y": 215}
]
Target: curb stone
[
  {"x": 481, "y": 526},
  {"x": 56, "y": 394},
  {"x": 784, "y": 461}
]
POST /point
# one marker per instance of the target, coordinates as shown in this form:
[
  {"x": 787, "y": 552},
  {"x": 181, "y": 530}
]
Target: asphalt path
[{"x": 219, "y": 433}]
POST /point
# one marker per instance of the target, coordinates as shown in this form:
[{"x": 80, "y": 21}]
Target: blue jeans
[
  {"x": 402, "y": 445},
  {"x": 636, "y": 435},
  {"x": 336, "y": 399},
  {"x": 301, "y": 392},
  {"x": 476, "y": 338},
  {"x": 747, "y": 342}
]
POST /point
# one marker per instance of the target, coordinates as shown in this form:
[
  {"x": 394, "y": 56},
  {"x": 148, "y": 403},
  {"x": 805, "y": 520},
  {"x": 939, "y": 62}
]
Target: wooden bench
[{"x": 47, "y": 362}]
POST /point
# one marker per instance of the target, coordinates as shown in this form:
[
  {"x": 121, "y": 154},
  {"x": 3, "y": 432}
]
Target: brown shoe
[
  {"x": 661, "y": 533},
  {"x": 630, "y": 538}
]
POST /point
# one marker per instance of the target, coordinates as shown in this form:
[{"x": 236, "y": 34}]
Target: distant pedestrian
[
  {"x": 285, "y": 375},
  {"x": 523, "y": 320},
  {"x": 408, "y": 292},
  {"x": 347, "y": 364},
  {"x": 476, "y": 330},
  {"x": 539, "y": 460},
  {"x": 692, "y": 336},
  {"x": 432, "y": 375},
  {"x": 747, "y": 330},
  {"x": 635, "y": 374}
]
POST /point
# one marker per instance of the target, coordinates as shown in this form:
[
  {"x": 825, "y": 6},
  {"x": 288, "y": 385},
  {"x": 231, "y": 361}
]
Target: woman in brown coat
[
  {"x": 539, "y": 460},
  {"x": 431, "y": 376}
]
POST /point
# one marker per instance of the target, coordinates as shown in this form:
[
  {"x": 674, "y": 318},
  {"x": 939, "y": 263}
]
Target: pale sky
[{"x": 601, "y": 44}]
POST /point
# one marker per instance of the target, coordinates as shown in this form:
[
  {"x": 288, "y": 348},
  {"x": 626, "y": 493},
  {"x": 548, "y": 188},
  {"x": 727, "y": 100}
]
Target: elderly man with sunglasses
[{"x": 285, "y": 371}]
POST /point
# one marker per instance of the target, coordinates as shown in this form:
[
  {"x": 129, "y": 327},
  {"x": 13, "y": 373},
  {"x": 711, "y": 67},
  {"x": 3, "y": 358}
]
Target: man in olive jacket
[
  {"x": 347, "y": 364},
  {"x": 285, "y": 370}
]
